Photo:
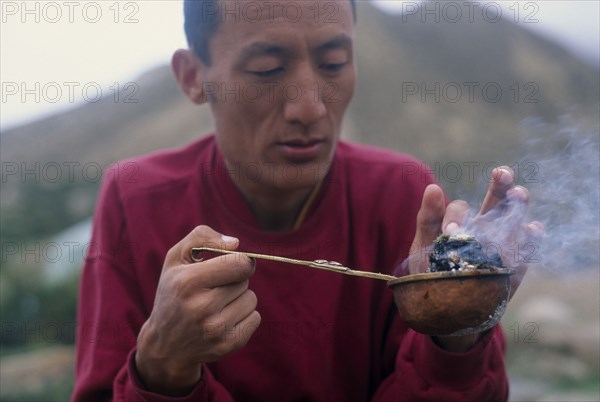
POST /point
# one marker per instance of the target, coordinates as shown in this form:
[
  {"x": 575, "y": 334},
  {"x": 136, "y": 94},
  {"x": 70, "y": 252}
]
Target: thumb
[
  {"x": 431, "y": 215},
  {"x": 201, "y": 236},
  {"x": 429, "y": 218}
]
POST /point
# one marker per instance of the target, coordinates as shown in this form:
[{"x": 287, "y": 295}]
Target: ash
[{"x": 459, "y": 253}]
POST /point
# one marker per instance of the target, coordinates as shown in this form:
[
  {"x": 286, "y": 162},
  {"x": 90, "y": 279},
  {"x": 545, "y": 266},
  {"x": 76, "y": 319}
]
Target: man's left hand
[{"x": 501, "y": 217}]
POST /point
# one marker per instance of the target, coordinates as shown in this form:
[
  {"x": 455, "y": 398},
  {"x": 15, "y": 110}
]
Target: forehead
[
  {"x": 326, "y": 11},
  {"x": 241, "y": 22}
]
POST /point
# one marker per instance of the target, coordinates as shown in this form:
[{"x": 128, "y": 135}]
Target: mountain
[
  {"x": 447, "y": 92},
  {"x": 489, "y": 76}
]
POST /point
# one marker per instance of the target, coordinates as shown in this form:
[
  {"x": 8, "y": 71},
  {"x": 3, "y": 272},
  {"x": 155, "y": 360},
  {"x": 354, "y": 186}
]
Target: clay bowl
[{"x": 453, "y": 303}]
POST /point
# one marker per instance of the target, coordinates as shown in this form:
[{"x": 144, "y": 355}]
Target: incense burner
[{"x": 463, "y": 292}]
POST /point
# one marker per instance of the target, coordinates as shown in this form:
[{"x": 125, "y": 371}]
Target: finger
[
  {"x": 245, "y": 328},
  {"x": 429, "y": 220},
  {"x": 456, "y": 216},
  {"x": 529, "y": 244},
  {"x": 430, "y": 216},
  {"x": 507, "y": 222},
  {"x": 225, "y": 340},
  {"x": 528, "y": 252},
  {"x": 228, "y": 293},
  {"x": 240, "y": 308},
  {"x": 233, "y": 327},
  {"x": 217, "y": 272},
  {"x": 201, "y": 236},
  {"x": 502, "y": 181},
  {"x": 517, "y": 202},
  {"x": 535, "y": 231}
]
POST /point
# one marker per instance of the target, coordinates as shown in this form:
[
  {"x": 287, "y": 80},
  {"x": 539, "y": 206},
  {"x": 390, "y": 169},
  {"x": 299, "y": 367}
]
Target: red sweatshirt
[{"x": 323, "y": 336}]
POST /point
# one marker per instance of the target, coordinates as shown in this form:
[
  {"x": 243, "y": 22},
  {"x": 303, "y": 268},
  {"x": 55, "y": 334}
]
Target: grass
[{"x": 56, "y": 391}]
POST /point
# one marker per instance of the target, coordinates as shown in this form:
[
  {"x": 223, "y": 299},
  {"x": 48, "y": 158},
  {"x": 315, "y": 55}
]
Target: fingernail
[
  {"x": 516, "y": 193},
  {"x": 504, "y": 176},
  {"x": 451, "y": 228},
  {"x": 229, "y": 239},
  {"x": 534, "y": 229}
]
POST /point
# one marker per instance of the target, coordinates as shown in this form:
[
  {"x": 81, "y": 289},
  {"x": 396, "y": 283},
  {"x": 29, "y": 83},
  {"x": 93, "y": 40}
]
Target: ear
[{"x": 188, "y": 71}]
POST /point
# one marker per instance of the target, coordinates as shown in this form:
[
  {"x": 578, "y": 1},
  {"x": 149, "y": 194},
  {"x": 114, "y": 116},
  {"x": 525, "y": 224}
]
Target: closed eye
[
  {"x": 274, "y": 72},
  {"x": 333, "y": 67}
]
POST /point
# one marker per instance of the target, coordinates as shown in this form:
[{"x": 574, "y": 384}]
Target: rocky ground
[
  {"x": 40, "y": 375},
  {"x": 552, "y": 329}
]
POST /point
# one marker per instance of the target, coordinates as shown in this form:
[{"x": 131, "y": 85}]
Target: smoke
[
  {"x": 560, "y": 166},
  {"x": 566, "y": 192}
]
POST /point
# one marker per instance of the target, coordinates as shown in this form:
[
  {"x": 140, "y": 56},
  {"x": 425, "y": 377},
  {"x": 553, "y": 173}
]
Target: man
[{"x": 274, "y": 178}]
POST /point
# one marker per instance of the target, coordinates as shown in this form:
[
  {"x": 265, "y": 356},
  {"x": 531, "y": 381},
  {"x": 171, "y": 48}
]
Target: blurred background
[{"x": 464, "y": 86}]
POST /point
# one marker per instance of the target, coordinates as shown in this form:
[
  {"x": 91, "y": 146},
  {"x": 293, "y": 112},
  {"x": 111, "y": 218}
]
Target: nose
[{"x": 303, "y": 101}]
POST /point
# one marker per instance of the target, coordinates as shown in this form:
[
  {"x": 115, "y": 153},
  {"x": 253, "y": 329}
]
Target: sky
[{"x": 55, "y": 55}]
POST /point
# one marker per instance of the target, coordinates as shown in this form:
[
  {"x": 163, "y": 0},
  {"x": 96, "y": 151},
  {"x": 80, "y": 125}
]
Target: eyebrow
[
  {"x": 261, "y": 48},
  {"x": 338, "y": 41}
]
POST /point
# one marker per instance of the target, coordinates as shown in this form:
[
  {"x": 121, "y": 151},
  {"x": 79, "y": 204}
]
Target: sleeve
[
  {"x": 420, "y": 370},
  {"x": 111, "y": 313},
  {"x": 426, "y": 372},
  {"x": 423, "y": 371}
]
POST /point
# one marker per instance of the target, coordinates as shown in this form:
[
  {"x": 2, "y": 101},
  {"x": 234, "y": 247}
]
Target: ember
[{"x": 460, "y": 252}]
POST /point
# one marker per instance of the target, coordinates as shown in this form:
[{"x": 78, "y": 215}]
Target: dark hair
[{"x": 201, "y": 20}]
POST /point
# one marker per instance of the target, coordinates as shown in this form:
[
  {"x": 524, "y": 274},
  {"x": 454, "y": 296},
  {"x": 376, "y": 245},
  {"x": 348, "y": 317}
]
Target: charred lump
[{"x": 460, "y": 252}]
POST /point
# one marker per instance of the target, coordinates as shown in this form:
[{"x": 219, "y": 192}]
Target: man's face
[{"x": 279, "y": 81}]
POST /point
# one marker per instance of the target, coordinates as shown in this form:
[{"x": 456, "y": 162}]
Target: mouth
[{"x": 301, "y": 149}]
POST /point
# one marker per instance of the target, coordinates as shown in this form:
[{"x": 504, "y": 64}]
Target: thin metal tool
[{"x": 319, "y": 264}]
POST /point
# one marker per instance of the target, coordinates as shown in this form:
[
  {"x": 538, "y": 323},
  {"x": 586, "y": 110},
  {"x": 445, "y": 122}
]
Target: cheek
[
  {"x": 239, "y": 127},
  {"x": 244, "y": 106},
  {"x": 346, "y": 88},
  {"x": 337, "y": 95}
]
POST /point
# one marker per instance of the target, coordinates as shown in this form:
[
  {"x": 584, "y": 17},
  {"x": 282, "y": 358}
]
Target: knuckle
[
  {"x": 182, "y": 285},
  {"x": 244, "y": 285},
  {"x": 172, "y": 256},
  {"x": 212, "y": 300},
  {"x": 242, "y": 266},
  {"x": 205, "y": 306},
  {"x": 224, "y": 348},
  {"x": 252, "y": 299},
  {"x": 200, "y": 231},
  {"x": 194, "y": 298},
  {"x": 179, "y": 287},
  {"x": 241, "y": 340},
  {"x": 257, "y": 319},
  {"x": 247, "y": 330},
  {"x": 212, "y": 331}
]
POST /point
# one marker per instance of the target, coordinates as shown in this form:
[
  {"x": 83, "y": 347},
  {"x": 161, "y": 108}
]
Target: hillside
[
  {"x": 489, "y": 77},
  {"x": 420, "y": 90}
]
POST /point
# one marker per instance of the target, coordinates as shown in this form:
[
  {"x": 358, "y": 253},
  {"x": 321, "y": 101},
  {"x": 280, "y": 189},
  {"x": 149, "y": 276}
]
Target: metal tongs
[{"x": 333, "y": 266}]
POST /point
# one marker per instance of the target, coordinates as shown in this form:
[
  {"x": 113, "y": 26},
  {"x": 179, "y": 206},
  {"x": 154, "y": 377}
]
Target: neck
[{"x": 277, "y": 210}]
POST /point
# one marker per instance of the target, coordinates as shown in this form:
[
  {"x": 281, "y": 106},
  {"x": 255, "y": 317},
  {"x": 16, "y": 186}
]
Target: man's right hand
[{"x": 202, "y": 312}]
